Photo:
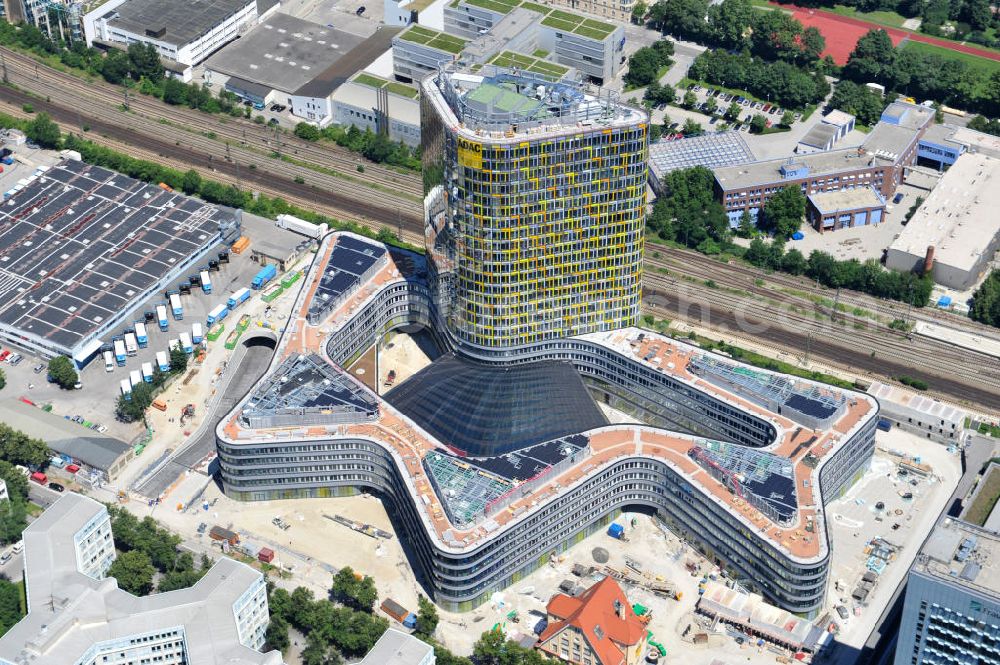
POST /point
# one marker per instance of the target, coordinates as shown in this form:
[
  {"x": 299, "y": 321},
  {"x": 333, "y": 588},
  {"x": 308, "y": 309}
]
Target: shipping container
[
  {"x": 219, "y": 533},
  {"x": 206, "y": 281},
  {"x": 884, "y": 424},
  {"x": 196, "y": 334},
  {"x": 263, "y": 276},
  {"x": 135, "y": 377},
  {"x": 161, "y": 317},
  {"x": 238, "y": 297},
  {"x": 131, "y": 346},
  {"x": 266, "y": 555},
  {"x": 217, "y": 314},
  {"x": 140, "y": 334},
  {"x": 394, "y": 610},
  {"x": 162, "y": 362},
  {"x": 300, "y": 226},
  {"x": 175, "y": 306},
  {"x": 186, "y": 343},
  {"x": 147, "y": 372},
  {"x": 159, "y": 405},
  {"x": 126, "y": 388},
  {"x": 616, "y": 531},
  {"x": 109, "y": 361},
  {"x": 241, "y": 244},
  {"x": 120, "y": 354}
]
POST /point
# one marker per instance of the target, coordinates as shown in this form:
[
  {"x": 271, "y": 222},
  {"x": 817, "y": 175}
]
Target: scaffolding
[
  {"x": 764, "y": 480},
  {"x": 805, "y": 403},
  {"x": 465, "y": 490}
]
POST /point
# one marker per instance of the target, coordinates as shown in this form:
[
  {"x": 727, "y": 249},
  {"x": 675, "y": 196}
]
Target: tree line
[
  {"x": 780, "y": 82},
  {"x": 375, "y": 146},
  {"x": 923, "y": 75},
  {"x": 985, "y": 306}
]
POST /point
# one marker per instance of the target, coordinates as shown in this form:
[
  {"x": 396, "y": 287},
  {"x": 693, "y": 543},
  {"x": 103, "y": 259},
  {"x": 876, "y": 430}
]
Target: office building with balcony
[
  {"x": 76, "y": 614},
  {"x": 951, "y": 613}
]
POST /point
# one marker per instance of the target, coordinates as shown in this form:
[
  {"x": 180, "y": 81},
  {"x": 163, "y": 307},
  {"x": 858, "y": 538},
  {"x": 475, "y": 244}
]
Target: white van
[{"x": 109, "y": 361}]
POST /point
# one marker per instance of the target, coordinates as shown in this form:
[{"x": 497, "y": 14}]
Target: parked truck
[
  {"x": 140, "y": 334},
  {"x": 217, "y": 314},
  {"x": 162, "y": 361},
  {"x": 196, "y": 334},
  {"x": 126, "y": 388},
  {"x": 300, "y": 226},
  {"x": 186, "y": 343},
  {"x": 206, "y": 282},
  {"x": 147, "y": 372},
  {"x": 263, "y": 276},
  {"x": 131, "y": 346},
  {"x": 238, "y": 297},
  {"x": 399, "y": 613},
  {"x": 135, "y": 377},
  {"x": 161, "y": 317},
  {"x": 175, "y": 306},
  {"x": 120, "y": 354}
]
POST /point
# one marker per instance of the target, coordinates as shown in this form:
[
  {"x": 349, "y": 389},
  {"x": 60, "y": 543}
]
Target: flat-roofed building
[
  {"x": 879, "y": 162},
  {"x": 957, "y": 224},
  {"x": 373, "y": 103},
  {"x": 76, "y": 614},
  {"x": 919, "y": 414},
  {"x": 819, "y": 137},
  {"x": 419, "y": 51},
  {"x": 951, "y": 612},
  {"x": 398, "y": 648},
  {"x": 844, "y": 208},
  {"x": 183, "y": 32}
]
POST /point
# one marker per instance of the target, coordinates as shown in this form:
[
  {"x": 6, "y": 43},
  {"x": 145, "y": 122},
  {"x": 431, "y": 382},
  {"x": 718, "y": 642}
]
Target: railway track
[
  {"x": 226, "y": 128},
  {"x": 745, "y": 276},
  {"x": 949, "y": 372},
  {"x": 308, "y": 194}
]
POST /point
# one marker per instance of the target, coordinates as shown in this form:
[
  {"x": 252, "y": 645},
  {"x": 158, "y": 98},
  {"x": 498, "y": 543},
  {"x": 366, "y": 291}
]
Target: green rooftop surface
[
  {"x": 392, "y": 86},
  {"x": 503, "y": 98},
  {"x": 434, "y": 39},
  {"x": 528, "y": 63},
  {"x": 554, "y": 18},
  {"x": 501, "y": 6}
]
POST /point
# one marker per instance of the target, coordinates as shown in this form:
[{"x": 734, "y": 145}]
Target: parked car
[
  {"x": 102, "y": 429},
  {"x": 360, "y": 11},
  {"x": 842, "y": 612},
  {"x": 4, "y": 355},
  {"x": 16, "y": 359},
  {"x": 272, "y": 122},
  {"x": 56, "y": 487},
  {"x": 897, "y": 198},
  {"x": 5, "y": 557},
  {"x": 767, "y": 108},
  {"x": 39, "y": 368},
  {"x": 202, "y": 527}
]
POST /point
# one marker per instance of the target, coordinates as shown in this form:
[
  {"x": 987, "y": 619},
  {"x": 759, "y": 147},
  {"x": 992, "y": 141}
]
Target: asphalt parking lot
[{"x": 96, "y": 399}]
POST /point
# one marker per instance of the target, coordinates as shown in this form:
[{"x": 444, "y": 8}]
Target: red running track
[{"x": 843, "y": 32}]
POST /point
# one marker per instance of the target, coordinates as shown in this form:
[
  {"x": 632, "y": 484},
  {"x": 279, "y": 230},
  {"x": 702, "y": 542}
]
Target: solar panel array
[
  {"x": 709, "y": 150},
  {"x": 350, "y": 261},
  {"x": 80, "y": 245}
]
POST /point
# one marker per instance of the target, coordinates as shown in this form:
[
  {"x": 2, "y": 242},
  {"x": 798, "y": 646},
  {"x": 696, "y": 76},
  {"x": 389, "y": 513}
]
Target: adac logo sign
[{"x": 470, "y": 154}]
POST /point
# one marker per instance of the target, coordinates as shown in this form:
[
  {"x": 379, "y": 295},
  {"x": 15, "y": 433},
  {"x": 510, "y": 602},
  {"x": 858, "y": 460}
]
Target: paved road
[{"x": 250, "y": 368}]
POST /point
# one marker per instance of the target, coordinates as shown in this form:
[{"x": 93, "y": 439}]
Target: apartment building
[
  {"x": 76, "y": 614},
  {"x": 544, "y": 195},
  {"x": 951, "y": 613}
]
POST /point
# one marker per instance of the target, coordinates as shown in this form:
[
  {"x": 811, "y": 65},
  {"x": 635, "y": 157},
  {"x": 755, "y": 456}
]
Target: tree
[
  {"x": 688, "y": 212},
  {"x": 175, "y": 92},
  {"x": 731, "y": 22},
  {"x": 639, "y": 10},
  {"x": 691, "y": 128},
  {"x": 16, "y": 447},
  {"x": 758, "y": 123},
  {"x": 62, "y": 372},
  {"x": 354, "y": 591},
  {"x": 145, "y": 61},
  {"x": 17, "y": 484},
  {"x": 308, "y": 132},
  {"x": 13, "y": 519},
  {"x": 858, "y": 100},
  {"x": 644, "y": 66},
  {"x": 10, "y": 605},
  {"x": 747, "y": 228},
  {"x": 427, "y": 618},
  {"x": 134, "y": 572},
  {"x": 683, "y": 18},
  {"x": 191, "y": 184},
  {"x": 985, "y": 306},
  {"x": 689, "y": 100},
  {"x": 115, "y": 67},
  {"x": 872, "y": 60},
  {"x": 711, "y": 106},
  {"x": 277, "y": 634},
  {"x": 493, "y": 648},
  {"x": 43, "y": 131},
  {"x": 783, "y": 213},
  {"x": 178, "y": 360},
  {"x": 733, "y": 112},
  {"x": 793, "y": 262}
]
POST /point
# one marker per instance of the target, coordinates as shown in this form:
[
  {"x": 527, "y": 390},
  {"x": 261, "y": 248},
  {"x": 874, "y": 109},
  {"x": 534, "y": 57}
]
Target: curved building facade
[{"x": 780, "y": 549}]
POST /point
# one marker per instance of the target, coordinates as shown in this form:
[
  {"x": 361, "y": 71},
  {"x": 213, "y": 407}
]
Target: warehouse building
[
  {"x": 185, "y": 33},
  {"x": 377, "y": 104},
  {"x": 297, "y": 63},
  {"x": 76, "y": 614},
  {"x": 879, "y": 162},
  {"x": 919, "y": 414},
  {"x": 101, "y": 458},
  {"x": 83, "y": 247},
  {"x": 844, "y": 208},
  {"x": 957, "y": 226}
]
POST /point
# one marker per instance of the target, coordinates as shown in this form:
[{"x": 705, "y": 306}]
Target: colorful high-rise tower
[{"x": 535, "y": 196}]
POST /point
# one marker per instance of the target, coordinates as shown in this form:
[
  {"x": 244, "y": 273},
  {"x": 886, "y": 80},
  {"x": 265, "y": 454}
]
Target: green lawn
[
  {"x": 986, "y": 498},
  {"x": 891, "y": 19}
]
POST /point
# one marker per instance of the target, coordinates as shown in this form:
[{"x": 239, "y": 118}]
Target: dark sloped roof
[{"x": 484, "y": 410}]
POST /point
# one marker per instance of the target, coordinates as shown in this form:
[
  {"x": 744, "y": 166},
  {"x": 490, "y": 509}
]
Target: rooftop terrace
[
  {"x": 781, "y": 503},
  {"x": 441, "y": 41},
  {"x": 554, "y": 18}
]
